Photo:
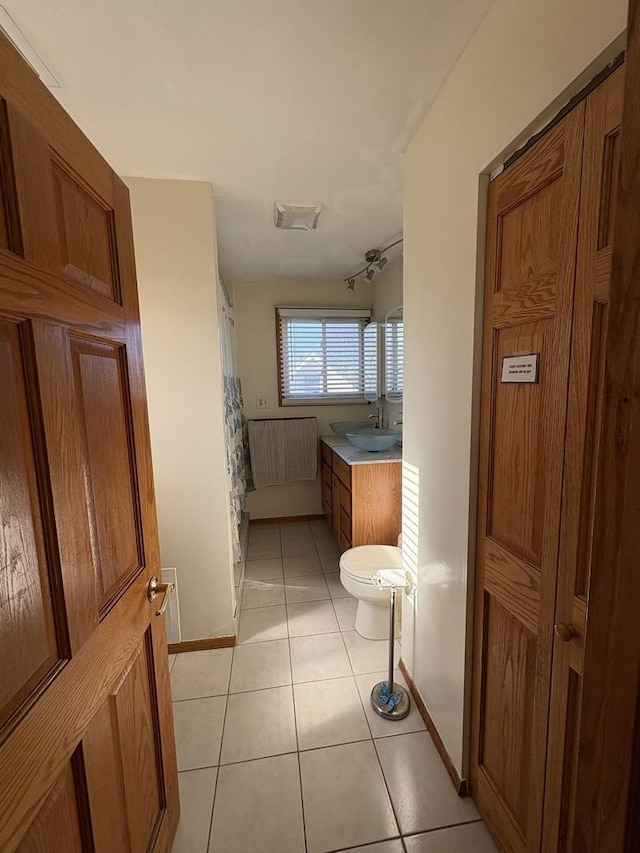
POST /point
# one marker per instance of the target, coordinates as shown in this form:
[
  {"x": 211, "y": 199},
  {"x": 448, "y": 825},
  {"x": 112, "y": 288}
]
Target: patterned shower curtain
[{"x": 235, "y": 422}]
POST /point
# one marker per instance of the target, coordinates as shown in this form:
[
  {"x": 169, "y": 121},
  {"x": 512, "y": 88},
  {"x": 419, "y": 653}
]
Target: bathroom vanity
[{"x": 361, "y": 492}]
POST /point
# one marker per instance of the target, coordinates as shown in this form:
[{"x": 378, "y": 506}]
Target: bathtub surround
[{"x": 522, "y": 64}]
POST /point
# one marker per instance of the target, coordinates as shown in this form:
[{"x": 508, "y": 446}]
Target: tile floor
[{"x": 278, "y": 746}]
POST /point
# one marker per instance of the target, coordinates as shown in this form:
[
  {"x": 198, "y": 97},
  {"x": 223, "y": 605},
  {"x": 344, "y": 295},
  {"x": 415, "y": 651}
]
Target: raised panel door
[
  {"x": 87, "y": 756},
  {"x": 530, "y": 272},
  {"x": 603, "y": 118}
]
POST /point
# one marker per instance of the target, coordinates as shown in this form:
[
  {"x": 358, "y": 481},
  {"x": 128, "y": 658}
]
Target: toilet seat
[
  {"x": 364, "y": 560},
  {"x": 356, "y": 567}
]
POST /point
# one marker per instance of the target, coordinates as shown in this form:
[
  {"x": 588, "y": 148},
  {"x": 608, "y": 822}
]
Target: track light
[{"x": 375, "y": 263}]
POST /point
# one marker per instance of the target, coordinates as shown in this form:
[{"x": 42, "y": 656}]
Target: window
[
  {"x": 394, "y": 358},
  {"x": 320, "y": 355}
]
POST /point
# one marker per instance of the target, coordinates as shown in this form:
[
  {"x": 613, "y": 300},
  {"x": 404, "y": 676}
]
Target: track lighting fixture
[{"x": 375, "y": 263}]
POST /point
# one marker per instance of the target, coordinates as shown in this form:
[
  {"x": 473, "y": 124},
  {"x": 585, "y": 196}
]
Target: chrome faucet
[
  {"x": 398, "y": 420},
  {"x": 379, "y": 416}
]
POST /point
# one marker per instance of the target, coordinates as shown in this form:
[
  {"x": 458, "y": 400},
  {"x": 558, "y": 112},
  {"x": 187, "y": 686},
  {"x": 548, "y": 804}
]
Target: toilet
[{"x": 356, "y": 567}]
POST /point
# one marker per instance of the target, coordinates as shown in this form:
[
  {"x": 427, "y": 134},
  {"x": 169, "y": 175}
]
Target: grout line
[{"x": 215, "y": 787}]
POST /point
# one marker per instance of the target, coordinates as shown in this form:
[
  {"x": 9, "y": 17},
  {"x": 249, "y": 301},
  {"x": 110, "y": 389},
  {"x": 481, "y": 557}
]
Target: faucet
[
  {"x": 398, "y": 420},
  {"x": 379, "y": 416}
]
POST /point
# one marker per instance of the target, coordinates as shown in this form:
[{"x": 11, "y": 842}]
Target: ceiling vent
[{"x": 296, "y": 217}]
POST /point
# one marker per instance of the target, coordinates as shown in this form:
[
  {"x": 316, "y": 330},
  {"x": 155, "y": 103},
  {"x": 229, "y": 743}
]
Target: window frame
[{"x": 361, "y": 315}]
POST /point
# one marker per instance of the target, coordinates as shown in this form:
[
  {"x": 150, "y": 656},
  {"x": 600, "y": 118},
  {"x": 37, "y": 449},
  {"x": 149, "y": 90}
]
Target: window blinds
[
  {"x": 394, "y": 358},
  {"x": 320, "y": 354}
]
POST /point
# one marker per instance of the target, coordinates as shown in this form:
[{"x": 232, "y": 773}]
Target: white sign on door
[{"x": 520, "y": 368}]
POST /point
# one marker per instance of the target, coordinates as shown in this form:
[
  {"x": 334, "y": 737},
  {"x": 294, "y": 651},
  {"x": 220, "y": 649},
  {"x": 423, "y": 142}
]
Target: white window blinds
[
  {"x": 320, "y": 355},
  {"x": 394, "y": 358}
]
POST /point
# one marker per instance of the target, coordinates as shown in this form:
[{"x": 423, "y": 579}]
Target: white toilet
[{"x": 356, "y": 567}]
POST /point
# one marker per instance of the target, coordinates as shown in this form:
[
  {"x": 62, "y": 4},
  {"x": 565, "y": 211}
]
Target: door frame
[{"x": 610, "y": 728}]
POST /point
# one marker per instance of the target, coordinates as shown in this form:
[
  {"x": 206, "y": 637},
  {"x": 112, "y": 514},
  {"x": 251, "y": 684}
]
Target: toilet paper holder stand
[{"x": 391, "y": 700}]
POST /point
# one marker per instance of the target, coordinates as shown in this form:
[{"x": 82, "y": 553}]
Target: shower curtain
[{"x": 235, "y": 422}]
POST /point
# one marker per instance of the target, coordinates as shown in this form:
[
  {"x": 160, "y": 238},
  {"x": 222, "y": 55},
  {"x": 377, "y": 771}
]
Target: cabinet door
[
  {"x": 335, "y": 497},
  {"x": 590, "y": 316},
  {"x": 530, "y": 275},
  {"x": 327, "y": 491}
]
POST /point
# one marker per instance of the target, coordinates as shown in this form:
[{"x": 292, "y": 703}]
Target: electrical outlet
[{"x": 262, "y": 403}]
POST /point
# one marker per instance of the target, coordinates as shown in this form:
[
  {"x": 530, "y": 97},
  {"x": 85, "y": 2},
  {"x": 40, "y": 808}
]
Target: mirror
[
  {"x": 394, "y": 355},
  {"x": 371, "y": 354}
]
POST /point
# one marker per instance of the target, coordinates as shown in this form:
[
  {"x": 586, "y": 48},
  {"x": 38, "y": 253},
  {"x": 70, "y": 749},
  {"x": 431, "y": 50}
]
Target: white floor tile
[
  {"x": 258, "y": 808},
  {"x": 259, "y": 665},
  {"x": 295, "y": 530},
  {"x": 198, "y": 728},
  {"x": 311, "y": 617},
  {"x": 380, "y": 727},
  {"x": 318, "y": 657},
  {"x": 262, "y": 593},
  {"x": 299, "y": 547},
  {"x": 258, "y": 570},
  {"x": 196, "y": 804},
  {"x": 327, "y": 546},
  {"x": 394, "y": 846},
  {"x": 421, "y": 791},
  {"x": 305, "y": 588},
  {"x": 470, "y": 838},
  {"x": 336, "y": 590},
  {"x": 262, "y": 623},
  {"x": 198, "y": 674},
  {"x": 345, "y": 798},
  {"x": 264, "y": 533},
  {"x": 302, "y": 564},
  {"x": 368, "y": 655},
  {"x": 258, "y": 724},
  {"x": 263, "y": 550},
  {"x": 346, "y": 612},
  {"x": 320, "y": 527},
  {"x": 329, "y": 712},
  {"x": 330, "y": 563}
]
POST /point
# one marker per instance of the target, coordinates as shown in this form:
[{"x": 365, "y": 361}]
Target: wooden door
[
  {"x": 590, "y": 319},
  {"x": 87, "y": 759},
  {"x": 531, "y": 249}
]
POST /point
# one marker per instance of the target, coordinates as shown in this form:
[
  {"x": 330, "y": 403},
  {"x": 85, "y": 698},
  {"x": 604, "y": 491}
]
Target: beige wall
[
  {"x": 524, "y": 57},
  {"x": 175, "y": 242},
  {"x": 254, "y": 307}
]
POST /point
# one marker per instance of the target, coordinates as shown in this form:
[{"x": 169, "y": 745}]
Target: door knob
[
  {"x": 565, "y": 632},
  {"x": 155, "y": 589}
]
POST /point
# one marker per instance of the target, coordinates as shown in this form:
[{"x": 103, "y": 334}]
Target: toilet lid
[{"x": 364, "y": 560}]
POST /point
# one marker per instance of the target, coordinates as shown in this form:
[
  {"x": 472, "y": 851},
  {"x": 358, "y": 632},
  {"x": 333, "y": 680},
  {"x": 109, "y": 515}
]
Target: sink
[
  {"x": 343, "y": 427},
  {"x": 373, "y": 439}
]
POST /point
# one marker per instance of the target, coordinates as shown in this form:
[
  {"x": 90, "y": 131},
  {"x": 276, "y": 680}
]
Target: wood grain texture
[
  {"x": 58, "y": 825},
  {"x": 203, "y": 644},
  {"x": 531, "y": 239},
  {"x": 86, "y": 418},
  {"x": 603, "y": 117},
  {"x": 286, "y": 519},
  {"x": 606, "y": 811},
  {"x": 30, "y": 649}
]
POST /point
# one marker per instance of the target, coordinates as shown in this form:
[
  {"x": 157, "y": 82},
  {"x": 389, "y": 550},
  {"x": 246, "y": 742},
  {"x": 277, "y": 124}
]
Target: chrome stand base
[{"x": 401, "y": 709}]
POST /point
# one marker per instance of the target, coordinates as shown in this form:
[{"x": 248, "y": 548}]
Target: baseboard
[
  {"x": 202, "y": 645},
  {"x": 285, "y": 519},
  {"x": 458, "y": 783}
]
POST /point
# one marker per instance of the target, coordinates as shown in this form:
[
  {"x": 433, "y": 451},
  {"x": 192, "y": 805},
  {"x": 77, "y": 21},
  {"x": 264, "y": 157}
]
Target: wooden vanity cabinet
[{"x": 363, "y": 501}]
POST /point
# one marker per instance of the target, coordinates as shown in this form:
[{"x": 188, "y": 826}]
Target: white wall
[
  {"x": 175, "y": 242},
  {"x": 523, "y": 58},
  {"x": 254, "y": 307}
]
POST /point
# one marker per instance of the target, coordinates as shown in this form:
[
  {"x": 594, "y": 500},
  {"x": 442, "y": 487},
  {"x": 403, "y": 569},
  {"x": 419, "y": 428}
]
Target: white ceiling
[{"x": 296, "y": 100}]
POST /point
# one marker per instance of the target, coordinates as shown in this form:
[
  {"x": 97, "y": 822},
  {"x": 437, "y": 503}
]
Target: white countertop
[{"x": 354, "y": 456}]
